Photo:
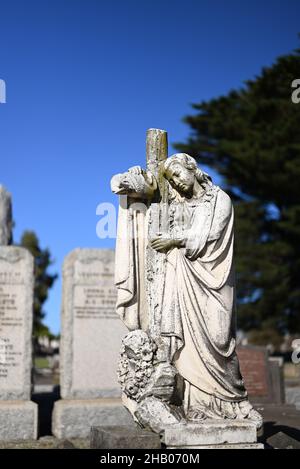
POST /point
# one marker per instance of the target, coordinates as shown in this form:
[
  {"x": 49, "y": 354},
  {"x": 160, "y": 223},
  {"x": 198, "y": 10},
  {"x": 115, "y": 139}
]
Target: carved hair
[{"x": 189, "y": 163}]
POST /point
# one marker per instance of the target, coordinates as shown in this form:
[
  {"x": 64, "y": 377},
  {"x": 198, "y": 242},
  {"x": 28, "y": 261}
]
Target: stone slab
[
  {"x": 18, "y": 420},
  {"x": 210, "y": 432},
  {"x": 282, "y": 441},
  {"x": 91, "y": 330},
  {"x": 123, "y": 437},
  {"x": 46, "y": 442},
  {"x": 74, "y": 418},
  {"x": 16, "y": 300}
]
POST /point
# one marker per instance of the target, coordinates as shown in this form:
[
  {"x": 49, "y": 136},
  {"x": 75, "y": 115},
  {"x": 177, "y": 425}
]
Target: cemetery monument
[
  {"x": 91, "y": 334},
  {"x": 18, "y": 414},
  {"x": 178, "y": 369}
]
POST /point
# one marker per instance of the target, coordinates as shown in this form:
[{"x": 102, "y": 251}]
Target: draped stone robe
[{"x": 199, "y": 301}]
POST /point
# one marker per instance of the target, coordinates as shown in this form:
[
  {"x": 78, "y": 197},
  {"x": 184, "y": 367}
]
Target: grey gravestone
[
  {"x": 18, "y": 415},
  {"x": 293, "y": 396},
  {"x": 90, "y": 343},
  {"x": 275, "y": 365},
  {"x": 5, "y": 217}
]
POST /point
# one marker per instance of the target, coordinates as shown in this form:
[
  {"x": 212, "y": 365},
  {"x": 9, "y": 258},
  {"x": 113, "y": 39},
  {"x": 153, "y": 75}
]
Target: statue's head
[{"x": 181, "y": 171}]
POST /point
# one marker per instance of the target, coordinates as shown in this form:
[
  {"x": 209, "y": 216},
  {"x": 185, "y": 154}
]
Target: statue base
[
  {"x": 121, "y": 437},
  {"x": 212, "y": 434}
]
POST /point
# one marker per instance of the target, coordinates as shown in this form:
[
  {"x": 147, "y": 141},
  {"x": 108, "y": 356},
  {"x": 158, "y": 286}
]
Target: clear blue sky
[{"x": 86, "y": 78}]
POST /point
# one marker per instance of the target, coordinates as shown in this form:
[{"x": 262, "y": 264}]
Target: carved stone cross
[{"x": 157, "y": 153}]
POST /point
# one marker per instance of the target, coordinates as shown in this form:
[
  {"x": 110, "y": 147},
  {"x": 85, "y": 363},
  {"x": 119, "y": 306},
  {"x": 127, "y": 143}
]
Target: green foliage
[
  {"x": 251, "y": 138},
  {"x": 43, "y": 280}
]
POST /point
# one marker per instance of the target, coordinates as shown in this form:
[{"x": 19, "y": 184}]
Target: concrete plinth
[
  {"x": 74, "y": 418},
  {"x": 212, "y": 434},
  {"x": 123, "y": 438},
  {"x": 18, "y": 420}
]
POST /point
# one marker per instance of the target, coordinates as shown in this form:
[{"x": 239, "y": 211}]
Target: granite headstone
[
  {"x": 90, "y": 343},
  {"x": 18, "y": 415}
]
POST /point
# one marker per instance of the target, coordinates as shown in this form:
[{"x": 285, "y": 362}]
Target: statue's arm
[
  {"x": 136, "y": 182},
  {"x": 222, "y": 215}
]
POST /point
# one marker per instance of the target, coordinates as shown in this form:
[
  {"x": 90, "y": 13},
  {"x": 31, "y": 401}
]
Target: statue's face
[{"x": 180, "y": 178}]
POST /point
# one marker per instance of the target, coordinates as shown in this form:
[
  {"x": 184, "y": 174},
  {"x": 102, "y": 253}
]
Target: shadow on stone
[
  {"x": 283, "y": 441},
  {"x": 287, "y": 435}
]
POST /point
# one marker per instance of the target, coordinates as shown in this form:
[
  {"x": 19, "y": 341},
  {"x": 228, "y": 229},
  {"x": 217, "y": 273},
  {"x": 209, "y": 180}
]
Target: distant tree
[
  {"x": 43, "y": 280},
  {"x": 251, "y": 137},
  {"x": 266, "y": 337}
]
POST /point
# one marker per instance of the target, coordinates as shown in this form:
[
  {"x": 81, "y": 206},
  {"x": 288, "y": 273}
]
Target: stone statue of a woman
[{"x": 198, "y": 306}]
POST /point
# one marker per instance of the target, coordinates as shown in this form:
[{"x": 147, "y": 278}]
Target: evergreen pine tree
[{"x": 251, "y": 137}]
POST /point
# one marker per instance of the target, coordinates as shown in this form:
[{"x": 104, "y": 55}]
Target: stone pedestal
[
  {"x": 212, "y": 434},
  {"x": 119, "y": 437},
  {"x": 18, "y": 415},
  {"x": 90, "y": 344}
]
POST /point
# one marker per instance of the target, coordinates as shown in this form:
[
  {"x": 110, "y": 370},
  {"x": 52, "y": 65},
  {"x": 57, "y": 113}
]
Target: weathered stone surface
[
  {"x": 210, "y": 432},
  {"x": 147, "y": 385},
  {"x": 91, "y": 330},
  {"x": 293, "y": 396},
  {"x": 123, "y": 438},
  {"x": 283, "y": 441},
  {"x": 18, "y": 420},
  {"x": 18, "y": 416},
  {"x": 154, "y": 414},
  {"x": 74, "y": 418},
  {"x": 90, "y": 344},
  {"x": 5, "y": 217},
  {"x": 16, "y": 299},
  {"x": 275, "y": 365},
  {"x": 46, "y": 442}
]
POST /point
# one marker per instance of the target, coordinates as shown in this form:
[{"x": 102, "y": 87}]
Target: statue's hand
[
  {"x": 126, "y": 185},
  {"x": 162, "y": 244},
  {"x": 135, "y": 170},
  {"x": 135, "y": 182}
]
